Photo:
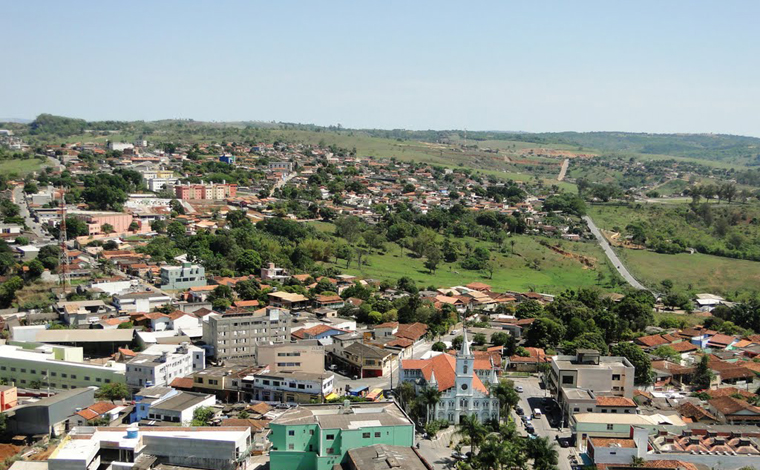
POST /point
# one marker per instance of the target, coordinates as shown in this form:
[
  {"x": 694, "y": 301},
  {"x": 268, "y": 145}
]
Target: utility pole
[{"x": 63, "y": 279}]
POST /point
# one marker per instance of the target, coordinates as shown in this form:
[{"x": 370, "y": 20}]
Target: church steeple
[{"x": 465, "y": 350}]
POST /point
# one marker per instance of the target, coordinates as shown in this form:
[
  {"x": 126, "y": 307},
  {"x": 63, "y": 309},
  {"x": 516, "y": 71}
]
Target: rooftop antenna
[{"x": 63, "y": 279}]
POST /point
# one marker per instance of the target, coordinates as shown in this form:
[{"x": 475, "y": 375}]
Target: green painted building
[{"x": 318, "y": 437}]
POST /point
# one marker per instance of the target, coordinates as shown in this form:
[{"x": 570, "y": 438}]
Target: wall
[{"x": 311, "y": 358}]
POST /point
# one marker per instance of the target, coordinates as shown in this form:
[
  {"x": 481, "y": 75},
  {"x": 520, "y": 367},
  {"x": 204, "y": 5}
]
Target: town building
[
  {"x": 585, "y": 426},
  {"x": 146, "y": 397},
  {"x": 49, "y": 416},
  {"x": 205, "y": 191},
  {"x": 385, "y": 457},
  {"x": 97, "y": 221},
  {"x": 159, "y": 364},
  {"x": 183, "y": 277},
  {"x": 574, "y": 380},
  {"x": 362, "y": 360},
  {"x": 301, "y": 356},
  {"x": 179, "y": 407},
  {"x": 288, "y": 300},
  {"x": 140, "y": 301},
  {"x": 234, "y": 336},
  {"x": 51, "y": 368},
  {"x": 463, "y": 393},
  {"x": 318, "y": 437},
  {"x": 165, "y": 447},
  {"x": 288, "y": 386},
  {"x": 8, "y": 397}
]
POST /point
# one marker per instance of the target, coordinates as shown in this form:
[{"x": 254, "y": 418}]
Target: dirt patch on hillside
[{"x": 586, "y": 261}]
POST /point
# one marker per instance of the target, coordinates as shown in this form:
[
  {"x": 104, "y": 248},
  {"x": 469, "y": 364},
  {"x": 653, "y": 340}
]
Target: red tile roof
[
  {"x": 615, "y": 401},
  {"x": 444, "y": 368}
]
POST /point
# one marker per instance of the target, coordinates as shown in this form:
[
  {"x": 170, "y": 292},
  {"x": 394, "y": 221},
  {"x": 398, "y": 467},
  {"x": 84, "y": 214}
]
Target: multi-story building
[
  {"x": 158, "y": 184},
  {"x": 318, "y": 437},
  {"x": 159, "y": 364},
  {"x": 179, "y": 408},
  {"x": 183, "y": 277},
  {"x": 30, "y": 367},
  {"x": 463, "y": 393},
  {"x": 8, "y": 397},
  {"x": 302, "y": 356},
  {"x": 362, "y": 360},
  {"x": 207, "y": 191},
  {"x": 288, "y": 387},
  {"x": 285, "y": 167},
  {"x": 234, "y": 336},
  {"x": 173, "y": 446},
  {"x": 576, "y": 379},
  {"x": 140, "y": 301}
]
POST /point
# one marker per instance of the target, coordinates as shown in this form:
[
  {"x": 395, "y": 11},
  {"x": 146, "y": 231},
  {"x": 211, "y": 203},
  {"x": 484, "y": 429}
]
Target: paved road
[
  {"x": 612, "y": 256},
  {"x": 20, "y": 200},
  {"x": 563, "y": 170}
]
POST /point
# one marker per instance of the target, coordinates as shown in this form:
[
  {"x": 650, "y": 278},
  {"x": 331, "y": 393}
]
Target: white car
[{"x": 519, "y": 389}]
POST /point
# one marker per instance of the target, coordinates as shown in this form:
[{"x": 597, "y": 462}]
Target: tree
[
  {"x": 158, "y": 225},
  {"x": 407, "y": 284},
  {"x": 126, "y": 325},
  {"x": 638, "y": 358},
  {"x": 134, "y": 226},
  {"x": 544, "y": 332},
  {"x": 434, "y": 258},
  {"x": 249, "y": 262},
  {"x": 456, "y": 343},
  {"x": 499, "y": 338},
  {"x": 544, "y": 453},
  {"x": 471, "y": 429},
  {"x": 31, "y": 187},
  {"x": 405, "y": 393},
  {"x": 106, "y": 228},
  {"x": 430, "y": 397},
  {"x": 113, "y": 391},
  {"x": 529, "y": 309},
  {"x": 668, "y": 353},
  {"x": 508, "y": 398},
  {"x": 439, "y": 346},
  {"x": 703, "y": 375},
  {"x": 479, "y": 339},
  {"x": 678, "y": 300},
  {"x": 202, "y": 416}
]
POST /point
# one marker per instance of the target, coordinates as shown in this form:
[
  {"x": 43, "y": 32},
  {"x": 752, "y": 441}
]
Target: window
[
  {"x": 86, "y": 378},
  {"x": 330, "y": 437},
  {"x": 291, "y": 433},
  {"x": 13, "y": 369},
  {"x": 576, "y": 410},
  {"x": 64, "y": 375},
  {"x": 377, "y": 434},
  {"x": 330, "y": 450},
  {"x": 365, "y": 435},
  {"x": 98, "y": 379},
  {"x": 311, "y": 432},
  {"x": 23, "y": 371},
  {"x": 291, "y": 447},
  {"x": 615, "y": 376},
  {"x": 609, "y": 427},
  {"x": 73, "y": 377},
  {"x": 567, "y": 379},
  {"x": 604, "y": 410},
  {"x": 32, "y": 371}
]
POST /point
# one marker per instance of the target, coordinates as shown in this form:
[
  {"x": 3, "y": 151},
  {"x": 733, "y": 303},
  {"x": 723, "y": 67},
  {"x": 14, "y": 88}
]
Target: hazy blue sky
[{"x": 652, "y": 66}]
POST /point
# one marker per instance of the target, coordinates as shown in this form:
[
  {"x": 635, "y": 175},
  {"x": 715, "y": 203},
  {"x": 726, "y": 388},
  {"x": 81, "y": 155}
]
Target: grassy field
[
  {"x": 697, "y": 272},
  {"x": 20, "y": 167},
  {"x": 554, "y": 274}
]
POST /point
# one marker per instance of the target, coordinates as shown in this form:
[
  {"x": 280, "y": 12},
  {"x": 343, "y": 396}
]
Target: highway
[{"x": 612, "y": 256}]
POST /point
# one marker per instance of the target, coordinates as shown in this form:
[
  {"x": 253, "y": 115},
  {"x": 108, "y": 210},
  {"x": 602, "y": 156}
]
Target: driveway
[{"x": 612, "y": 256}]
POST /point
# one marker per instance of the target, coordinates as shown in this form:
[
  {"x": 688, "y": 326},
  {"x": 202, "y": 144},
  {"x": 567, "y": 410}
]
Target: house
[
  {"x": 732, "y": 410},
  {"x": 288, "y": 300},
  {"x": 319, "y": 437},
  {"x": 696, "y": 414},
  {"x": 159, "y": 364},
  {"x": 145, "y": 397},
  {"x": 463, "y": 392},
  {"x": 585, "y": 426},
  {"x": 329, "y": 301},
  {"x": 362, "y": 360},
  {"x": 183, "y": 277},
  {"x": 179, "y": 407},
  {"x": 102, "y": 412},
  {"x": 140, "y": 301},
  {"x": 604, "y": 450},
  {"x": 273, "y": 273},
  {"x": 317, "y": 332},
  {"x": 83, "y": 312},
  {"x": 529, "y": 363}
]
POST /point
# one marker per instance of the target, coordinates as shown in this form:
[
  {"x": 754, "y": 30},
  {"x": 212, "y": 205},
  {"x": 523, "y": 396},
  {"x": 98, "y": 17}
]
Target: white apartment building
[
  {"x": 234, "y": 336},
  {"x": 159, "y": 364}
]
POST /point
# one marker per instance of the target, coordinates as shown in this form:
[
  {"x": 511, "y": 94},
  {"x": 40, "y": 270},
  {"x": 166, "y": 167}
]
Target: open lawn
[
  {"x": 20, "y": 167},
  {"x": 554, "y": 272},
  {"x": 698, "y": 272}
]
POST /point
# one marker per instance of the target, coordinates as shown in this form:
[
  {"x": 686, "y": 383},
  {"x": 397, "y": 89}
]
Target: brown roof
[
  {"x": 413, "y": 331},
  {"x": 728, "y": 391},
  {"x": 652, "y": 341},
  {"x": 730, "y": 405},
  {"x": 444, "y": 368},
  {"x": 659, "y": 464},
  {"x": 684, "y": 347},
  {"x": 695, "y": 413},
  {"x": 185, "y": 383},
  {"x": 615, "y": 401},
  {"x": 260, "y": 408},
  {"x": 604, "y": 442}
]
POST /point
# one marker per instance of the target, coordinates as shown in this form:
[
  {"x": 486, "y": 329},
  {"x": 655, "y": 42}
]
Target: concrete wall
[{"x": 310, "y": 358}]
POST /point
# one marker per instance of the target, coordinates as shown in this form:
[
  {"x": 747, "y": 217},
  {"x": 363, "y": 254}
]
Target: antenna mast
[{"x": 63, "y": 279}]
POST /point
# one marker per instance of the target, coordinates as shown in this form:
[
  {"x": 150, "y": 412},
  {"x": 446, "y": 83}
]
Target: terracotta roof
[
  {"x": 253, "y": 424},
  {"x": 390, "y": 324},
  {"x": 87, "y": 414},
  {"x": 615, "y": 401},
  {"x": 329, "y": 298},
  {"x": 653, "y": 341},
  {"x": 742, "y": 343},
  {"x": 246, "y": 303},
  {"x": 659, "y": 464},
  {"x": 728, "y": 391},
  {"x": 684, "y": 347},
  {"x": 96, "y": 409},
  {"x": 730, "y": 405},
  {"x": 478, "y": 286},
  {"x": 413, "y": 331},
  {"x": 721, "y": 340},
  {"x": 444, "y": 368},
  {"x": 260, "y": 408},
  {"x": 604, "y": 442},
  {"x": 182, "y": 382},
  {"x": 127, "y": 352},
  {"x": 695, "y": 412}
]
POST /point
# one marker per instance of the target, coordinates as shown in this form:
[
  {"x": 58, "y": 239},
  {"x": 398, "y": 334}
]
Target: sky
[{"x": 536, "y": 66}]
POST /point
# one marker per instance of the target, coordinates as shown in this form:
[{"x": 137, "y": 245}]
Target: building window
[
  {"x": 330, "y": 450},
  {"x": 615, "y": 376},
  {"x": 365, "y": 435},
  {"x": 291, "y": 447},
  {"x": 291, "y": 433},
  {"x": 330, "y": 437},
  {"x": 576, "y": 410},
  {"x": 567, "y": 379},
  {"x": 609, "y": 427},
  {"x": 377, "y": 434}
]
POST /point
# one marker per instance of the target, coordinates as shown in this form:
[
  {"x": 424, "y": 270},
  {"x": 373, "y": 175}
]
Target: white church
[{"x": 460, "y": 380}]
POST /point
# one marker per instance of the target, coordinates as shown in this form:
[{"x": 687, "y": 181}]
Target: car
[
  {"x": 519, "y": 411},
  {"x": 518, "y": 389},
  {"x": 460, "y": 455},
  {"x": 526, "y": 419},
  {"x": 530, "y": 429}
]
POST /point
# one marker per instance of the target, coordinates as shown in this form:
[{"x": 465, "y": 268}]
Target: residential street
[{"x": 612, "y": 256}]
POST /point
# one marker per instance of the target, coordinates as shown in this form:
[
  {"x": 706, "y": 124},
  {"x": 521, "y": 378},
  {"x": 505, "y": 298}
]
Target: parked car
[
  {"x": 530, "y": 429},
  {"x": 518, "y": 389},
  {"x": 519, "y": 411}
]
